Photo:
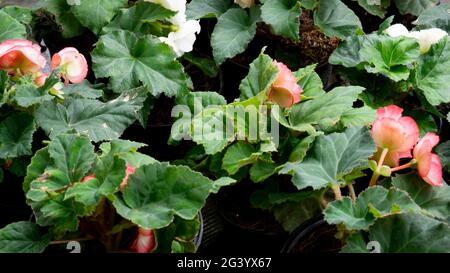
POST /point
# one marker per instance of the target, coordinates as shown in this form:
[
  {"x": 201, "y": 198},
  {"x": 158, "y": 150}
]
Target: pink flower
[
  {"x": 21, "y": 56},
  {"x": 40, "y": 79},
  {"x": 428, "y": 163},
  {"x": 393, "y": 132},
  {"x": 130, "y": 170},
  {"x": 285, "y": 91},
  {"x": 87, "y": 178},
  {"x": 144, "y": 242},
  {"x": 74, "y": 67}
]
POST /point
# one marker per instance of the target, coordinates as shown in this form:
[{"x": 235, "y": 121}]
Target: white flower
[
  {"x": 183, "y": 39},
  {"x": 178, "y": 6},
  {"x": 397, "y": 30},
  {"x": 245, "y": 3},
  {"x": 426, "y": 38}
]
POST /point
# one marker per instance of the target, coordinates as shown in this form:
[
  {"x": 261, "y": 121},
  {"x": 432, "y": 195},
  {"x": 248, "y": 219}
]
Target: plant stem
[
  {"x": 376, "y": 174},
  {"x": 337, "y": 191},
  {"x": 351, "y": 191},
  {"x": 405, "y": 166}
]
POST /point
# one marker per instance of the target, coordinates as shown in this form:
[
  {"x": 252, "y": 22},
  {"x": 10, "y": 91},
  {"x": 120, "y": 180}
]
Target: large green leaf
[
  {"x": 135, "y": 19},
  {"x": 238, "y": 155},
  {"x": 433, "y": 199},
  {"x": 100, "y": 121},
  {"x": 438, "y": 17},
  {"x": 404, "y": 233},
  {"x": 10, "y": 28},
  {"x": 39, "y": 163},
  {"x": 260, "y": 77},
  {"x": 358, "y": 116},
  {"x": 390, "y": 56},
  {"x": 21, "y": 14},
  {"x": 233, "y": 31},
  {"x": 71, "y": 27},
  {"x": 16, "y": 135},
  {"x": 283, "y": 17},
  {"x": 82, "y": 90},
  {"x": 431, "y": 75},
  {"x": 197, "y": 9},
  {"x": 129, "y": 60},
  {"x": 372, "y": 7},
  {"x": 95, "y": 14},
  {"x": 335, "y": 19},
  {"x": 23, "y": 237},
  {"x": 156, "y": 193},
  {"x": 324, "y": 110},
  {"x": 331, "y": 158},
  {"x": 73, "y": 155},
  {"x": 373, "y": 203},
  {"x": 414, "y": 7}
]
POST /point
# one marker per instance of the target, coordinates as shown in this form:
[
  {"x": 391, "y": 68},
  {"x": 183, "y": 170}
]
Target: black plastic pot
[{"x": 313, "y": 236}]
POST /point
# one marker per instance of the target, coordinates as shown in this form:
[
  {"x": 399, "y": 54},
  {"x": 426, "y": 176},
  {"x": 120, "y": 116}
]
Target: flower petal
[{"x": 434, "y": 176}]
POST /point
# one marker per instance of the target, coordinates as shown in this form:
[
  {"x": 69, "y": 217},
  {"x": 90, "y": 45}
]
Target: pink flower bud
[
  {"x": 74, "y": 67},
  {"x": 40, "y": 79},
  {"x": 21, "y": 56},
  {"x": 285, "y": 91},
  {"x": 144, "y": 242},
  {"x": 428, "y": 163}
]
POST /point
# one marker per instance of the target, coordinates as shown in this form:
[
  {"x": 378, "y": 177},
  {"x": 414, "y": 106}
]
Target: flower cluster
[
  {"x": 396, "y": 136},
  {"x": 426, "y": 38},
  {"x": 182, "y": 40},
  {"x": 22, "y": 57}
]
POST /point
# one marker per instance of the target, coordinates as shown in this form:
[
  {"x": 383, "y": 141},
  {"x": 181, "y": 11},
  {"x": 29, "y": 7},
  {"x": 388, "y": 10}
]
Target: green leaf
[
  {"x": 100, "y": 121},
  {"x": 436, "y": 17},
  {"x": 292, "y": 214},
  {"x": 414, "y": 7},
  {"x": 310, "y": 81},
  {"x": 283, "y": 17},
  {"x": 73, "y": 155},
  {"x": 22, "y": 14},
  {"x": 136, "y": 18},
  {"x": 331, "y": 158},
  {"x": 222, "y": 182},
  {"x": 197, "y": 9},
  {"x": 373, "y": 203},
  {"x": 390, "y": 56},
  {"x": 260, "y": 77},
  {"x": 324, "y": 110},
  {"x": 431, "y": 76},
  {"x": 378, "y": 9},
  {"x": 239, "y": 155},
  {"x": 110, "y": 171},
  {"x": 433, "y": 199},
  {"x": 404, "y": 233},
  {"x": 130, "y": 60},
  {"x": 82, "y": 90},
  {"x": 300, "y": 150},
  {"x": 16, "y": 135},
  {"x": 156, "y": 193},
  {"x": 85, "y": 193},
  {"x": 23, "y": 237},
  {"x": 358, "y": 116},
  {"x": 262, "y": 170},
  {"x": 335, "y": 19},
  {"x": 10, "y": 28},
  {"x": 443, "y": 150},
  {"x": 233, "y": 31},
  {"x": 39, "y": 163},
  {"x": 28, "y": 95},
  {"x": 207, "y": 65},
  {"x": 71, "y": 27},
  {"x": 348, "y": 52},
  {"x": 95, "y": 14}
]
